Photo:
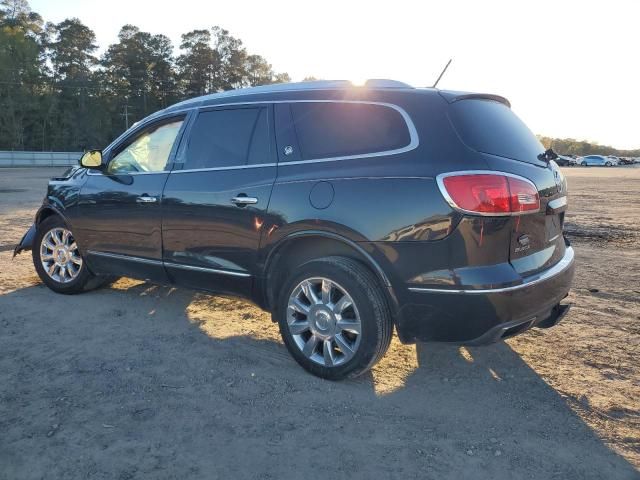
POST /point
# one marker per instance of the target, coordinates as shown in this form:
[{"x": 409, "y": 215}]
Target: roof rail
[
  {"x": 384, "y": 83},
  {"x": 297, "y": 86}
]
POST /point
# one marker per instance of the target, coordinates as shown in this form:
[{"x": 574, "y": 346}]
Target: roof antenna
[{"x": 442, "y": 73}]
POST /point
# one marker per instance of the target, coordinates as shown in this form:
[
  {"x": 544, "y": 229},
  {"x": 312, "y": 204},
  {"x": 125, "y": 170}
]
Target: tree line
[
  {"x": 56, "y": 94},
  {"x": 569, "y": 146}
]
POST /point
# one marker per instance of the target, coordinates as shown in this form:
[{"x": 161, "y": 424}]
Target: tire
[
  {"x": 356, "y": 303},
  {"x": 76, "y": 277},
  {"x": 584, "y": 164},
  {"x": 608, "y": 164}
]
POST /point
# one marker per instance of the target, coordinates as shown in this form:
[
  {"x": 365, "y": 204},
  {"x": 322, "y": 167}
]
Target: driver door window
[{"x": 149, "y": 152}]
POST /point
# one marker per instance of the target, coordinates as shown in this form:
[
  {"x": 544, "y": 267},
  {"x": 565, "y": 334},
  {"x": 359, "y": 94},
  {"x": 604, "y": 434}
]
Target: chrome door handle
[
  {"x": 146, "y": 199},
  {"x": 242, "y": 200}
]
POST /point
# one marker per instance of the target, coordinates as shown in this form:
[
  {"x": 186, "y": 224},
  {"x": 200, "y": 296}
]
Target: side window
[
  {"x": 337, "y": 129},
  {"x": 148, "y": 152},
  {"x": 229, "y": 138}
]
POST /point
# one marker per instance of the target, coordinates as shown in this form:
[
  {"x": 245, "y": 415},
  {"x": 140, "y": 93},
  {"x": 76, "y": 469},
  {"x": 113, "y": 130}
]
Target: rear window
[
  {"x": 491, "y": 127},
  {"x": 343, "y": 129}
]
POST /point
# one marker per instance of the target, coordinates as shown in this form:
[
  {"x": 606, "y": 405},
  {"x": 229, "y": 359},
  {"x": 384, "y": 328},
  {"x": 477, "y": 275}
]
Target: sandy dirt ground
[{"x": 141, "y": 381}]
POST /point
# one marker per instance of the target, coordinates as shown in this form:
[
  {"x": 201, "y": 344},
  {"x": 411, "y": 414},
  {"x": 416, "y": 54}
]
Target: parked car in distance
[
  {"x": 595, "y": 161},
  {"x": 565, "y": 161},
  {"x": 625, "y": 161},
  {"x": 613, "y": 159},
  {"x": 346, "y": 212}
]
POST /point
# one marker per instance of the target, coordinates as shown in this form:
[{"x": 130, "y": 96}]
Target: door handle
[
  {"x": 146, "y": 199},
  {"x": 242, "y": 200}
]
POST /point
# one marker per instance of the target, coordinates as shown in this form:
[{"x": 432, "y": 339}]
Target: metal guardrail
[{"x": 38, "y": 159}]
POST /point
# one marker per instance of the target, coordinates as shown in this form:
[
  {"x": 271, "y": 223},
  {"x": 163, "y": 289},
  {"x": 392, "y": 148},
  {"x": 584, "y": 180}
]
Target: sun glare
[{"x": 358, "y": 82}]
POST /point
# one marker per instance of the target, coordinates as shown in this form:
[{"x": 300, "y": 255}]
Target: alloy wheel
[
  {"x": 59, "y": 255},
  {"x": 324, "y": 321}
]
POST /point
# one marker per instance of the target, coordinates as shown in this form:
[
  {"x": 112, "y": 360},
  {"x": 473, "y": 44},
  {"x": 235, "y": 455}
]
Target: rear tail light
[{"x": 492, "y": 194}]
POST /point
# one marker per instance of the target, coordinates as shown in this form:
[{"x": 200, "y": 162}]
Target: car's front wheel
[
  {"x": 608, "y": 164},
  {"x": 334, "y": 318},
  {"x": 584, "y": 164},
  {"x": 58, "y": 261}
]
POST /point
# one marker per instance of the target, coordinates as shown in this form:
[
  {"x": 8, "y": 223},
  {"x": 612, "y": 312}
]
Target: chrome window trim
[
  {"x": 139, "y": 126},
  {"x": 160, "y": 263},
  {"x": 414, "y": 140},
  {"x": 564, "y": 263},
  {"x": 90, "y": 172},
  {"x": 440, "y": 181},
  {"x": 211, "y": 169}
]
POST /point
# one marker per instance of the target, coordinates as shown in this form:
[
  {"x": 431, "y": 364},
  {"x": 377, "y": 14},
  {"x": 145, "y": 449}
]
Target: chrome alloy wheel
[
  {"x": 59, "y": 255},
  {"x": 324, "y": 321}
]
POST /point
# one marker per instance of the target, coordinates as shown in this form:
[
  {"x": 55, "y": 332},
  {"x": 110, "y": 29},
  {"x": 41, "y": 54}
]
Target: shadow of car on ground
[{"x": 140, "y": 381}]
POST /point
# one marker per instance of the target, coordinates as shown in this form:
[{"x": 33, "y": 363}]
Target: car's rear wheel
[
  {"x": 608, "y": 164},
  {"x": 584, "y": 164},
  {"x": 58, "y": 261},
  {"x": 334, "y": 318}
]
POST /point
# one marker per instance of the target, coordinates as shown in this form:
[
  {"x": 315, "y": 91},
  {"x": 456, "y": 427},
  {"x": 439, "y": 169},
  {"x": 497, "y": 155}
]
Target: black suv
[{"x": 344, "y": 211}]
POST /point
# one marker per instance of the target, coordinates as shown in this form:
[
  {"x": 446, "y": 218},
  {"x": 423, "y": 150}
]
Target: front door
[
  {"x": 119, "y": 222},
  {"x": 216, "y": 198}
]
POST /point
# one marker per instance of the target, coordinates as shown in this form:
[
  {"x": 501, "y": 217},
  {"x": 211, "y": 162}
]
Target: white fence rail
[{"x": 38, "y": 159}]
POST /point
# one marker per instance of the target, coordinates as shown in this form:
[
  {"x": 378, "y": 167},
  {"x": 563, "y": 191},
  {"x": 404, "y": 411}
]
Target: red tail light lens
[
  {"x": 489, "y": 193},
  {"x": 524, "y": 195}
]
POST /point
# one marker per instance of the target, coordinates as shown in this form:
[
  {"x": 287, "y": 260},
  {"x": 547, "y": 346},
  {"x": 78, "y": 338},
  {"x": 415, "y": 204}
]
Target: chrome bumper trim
[{"x": 557, "y": 269}]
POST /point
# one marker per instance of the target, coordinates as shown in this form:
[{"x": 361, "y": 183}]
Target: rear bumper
[
  {"x": 478, "y": 316},
  {"x": 509, "y": 329}
]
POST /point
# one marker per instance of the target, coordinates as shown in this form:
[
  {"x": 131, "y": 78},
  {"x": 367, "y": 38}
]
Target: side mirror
[{"x": 91, "y": 159}]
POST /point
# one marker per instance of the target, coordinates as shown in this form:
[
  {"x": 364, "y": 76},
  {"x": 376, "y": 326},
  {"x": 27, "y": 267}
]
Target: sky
[{"x": 569, "y": 68}]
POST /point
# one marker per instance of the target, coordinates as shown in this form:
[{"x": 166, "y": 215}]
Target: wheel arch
[
  {"x": 300, "y": 247},
  {"x": 47, "y": 211},
  {"x": 26, "y": 243}
]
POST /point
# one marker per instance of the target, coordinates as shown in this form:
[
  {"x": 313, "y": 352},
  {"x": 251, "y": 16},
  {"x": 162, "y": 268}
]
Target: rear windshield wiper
[{"x": 548, "y": 155}]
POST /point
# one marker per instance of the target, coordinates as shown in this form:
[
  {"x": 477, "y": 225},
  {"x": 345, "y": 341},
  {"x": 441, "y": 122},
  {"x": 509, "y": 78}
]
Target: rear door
[
  {"x": 490, "y": 127},
  {"x": 216, "y": 198}
]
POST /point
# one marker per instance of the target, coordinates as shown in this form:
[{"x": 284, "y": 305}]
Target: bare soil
[{"x": 141, "y": 381}]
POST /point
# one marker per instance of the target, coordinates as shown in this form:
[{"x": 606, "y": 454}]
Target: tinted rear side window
[
  {"x": 229, "y": 138},
  {"x": 342, "y": 129},
  {"x": 491, "y": 127}
]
